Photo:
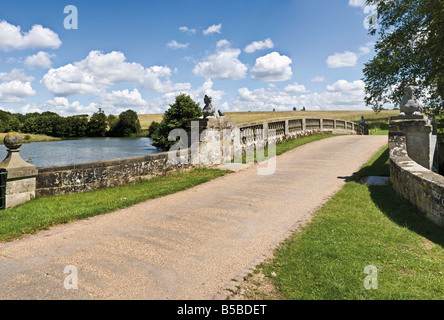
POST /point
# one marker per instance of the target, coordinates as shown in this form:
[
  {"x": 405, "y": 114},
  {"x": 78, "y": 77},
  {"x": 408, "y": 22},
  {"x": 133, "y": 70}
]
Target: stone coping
[
  {"x": 419, "y": 186},
  {"x": 103, "y": 163}
]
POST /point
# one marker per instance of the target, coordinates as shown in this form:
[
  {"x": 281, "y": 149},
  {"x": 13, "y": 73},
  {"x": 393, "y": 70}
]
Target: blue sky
[{"x": 248, "y": 55}]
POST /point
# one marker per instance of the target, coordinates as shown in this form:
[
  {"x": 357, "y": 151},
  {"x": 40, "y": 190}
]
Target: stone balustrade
[{"x": 74, "y": 178}]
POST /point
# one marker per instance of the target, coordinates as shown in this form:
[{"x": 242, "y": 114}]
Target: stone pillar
[
  {"x": 212, "y": 141},
  {"x": 418, "y": 132},
  {"x": 21, "y": 175}
]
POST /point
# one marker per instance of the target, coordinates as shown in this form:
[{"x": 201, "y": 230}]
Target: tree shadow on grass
[
  {"x": 396, "y": 209},
  {"x": 381, "y": 167},
  {"x": 404, "y": 214}
]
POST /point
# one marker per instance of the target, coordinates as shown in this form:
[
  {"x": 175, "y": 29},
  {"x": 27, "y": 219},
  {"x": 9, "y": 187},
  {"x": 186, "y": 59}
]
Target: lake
[{"x": 43, "y": 154}]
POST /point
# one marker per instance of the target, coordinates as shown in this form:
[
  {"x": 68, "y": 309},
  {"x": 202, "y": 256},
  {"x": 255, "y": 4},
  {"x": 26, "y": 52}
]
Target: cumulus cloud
[
  {"x": 187, "y": 30},
  {"x": 213, "y": 29},
  {"x": 41, "y": 59},
  {"x": 62, "y": 106},
  {"x": 272, "y": 67},
  {"x": 259, "y": 45},
  {"x": 296, "y": 88},
  {"x": 122, "y": 98},
  {"x": 173, "y": 44},
  {"x": 222, "y": 65},
  {"x": 357, "y": 3},
  {"x": 341, "y": 60},
  {"x": 99, "y": 71},
  {"x": 15, "y": 74},
  {"x": 12, "y": 37},
  {"x": 318, "y": 79},
  {"x": 348, "y": 59},
  {"x": 343, "y": 85},
  {"x": 15, "y": 91},
  {"x": 342, "y": 95}
]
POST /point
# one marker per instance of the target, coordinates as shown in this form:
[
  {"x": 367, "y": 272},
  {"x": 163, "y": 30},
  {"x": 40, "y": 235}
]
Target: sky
[{"x": 74, "y": 57}]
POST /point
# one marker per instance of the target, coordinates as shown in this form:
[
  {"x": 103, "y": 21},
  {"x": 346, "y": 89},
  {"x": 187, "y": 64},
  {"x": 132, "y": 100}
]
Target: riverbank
[{"x": 32, "y": 138}]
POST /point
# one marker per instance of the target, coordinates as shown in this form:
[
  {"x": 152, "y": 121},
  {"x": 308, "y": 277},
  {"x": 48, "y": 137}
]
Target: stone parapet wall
[
  {"x": 416, "y": 184},
  {"x": 66, "y": 179}
]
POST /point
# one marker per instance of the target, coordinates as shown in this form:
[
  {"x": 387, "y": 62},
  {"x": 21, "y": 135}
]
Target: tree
[
  {"x": 97, "y": 125},
  {"x": 126, "y": 125},
  {"x": 409, "y": 51},
  {"x": 177, "y": 116}
]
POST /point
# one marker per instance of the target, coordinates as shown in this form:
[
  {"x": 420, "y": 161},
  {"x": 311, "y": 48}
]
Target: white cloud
[
  {"x": 341, "y": 60},
  {"x": 222, "y": 65},
  {"x": 296, "y": 88},
  {"x": 187, "y": 30},
  {"x": 223, "y": 43},
  {"x": 15, "y": 91},
  {"x": 15, "y": 74},
  {"x": 343, "y": 85},
  {"x": 364, "y": 50},
  {"x": 61, "y": 106},
  {"x": 259, "y": 45},
  {"x": 173, "y": 44},
  {"x": 318, "y": 79},
  {"x": 213, "y": 29},
  {"x": 272, "y": 67},
  {"x": 122, "y": 98},
  {"x": 41, "y": 59},
  {"x": 342, "y": 95},
  {"x": 357, "y": 3},
  {"x": 99, "y": 71},
  {"x": 12, "y": 37}
]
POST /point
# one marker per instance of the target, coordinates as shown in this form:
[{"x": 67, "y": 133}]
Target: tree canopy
[
  {"x": 409, "y": 51},
  {"x": 177, "y": 116}
]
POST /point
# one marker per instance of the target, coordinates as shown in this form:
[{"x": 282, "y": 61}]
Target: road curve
[{"x": 188, "y": 245}]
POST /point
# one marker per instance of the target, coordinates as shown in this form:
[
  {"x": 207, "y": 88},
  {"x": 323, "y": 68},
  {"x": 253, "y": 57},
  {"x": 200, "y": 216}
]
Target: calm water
[{"x": 83, "y": 150}]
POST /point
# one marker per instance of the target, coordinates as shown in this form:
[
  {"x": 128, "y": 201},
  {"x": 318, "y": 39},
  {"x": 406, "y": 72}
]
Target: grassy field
[
  {"x": 362, "y": 226},
  {"x": 378, "y": 123}
]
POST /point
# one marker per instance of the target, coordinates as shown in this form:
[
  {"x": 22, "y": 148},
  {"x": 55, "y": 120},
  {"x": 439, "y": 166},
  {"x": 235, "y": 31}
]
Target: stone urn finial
[{"x": 13, "y": 140}]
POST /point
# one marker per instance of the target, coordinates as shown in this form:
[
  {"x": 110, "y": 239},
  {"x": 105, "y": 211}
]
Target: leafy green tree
[
  {"x": 14, "y": 124},
  {"x": 126, "y": 125},
  {"x": 153, "y": 130},
  {"x": 409, "y": 51},
  {"x": 177, "y": 116},
  {"x": 97, "y": 125}
]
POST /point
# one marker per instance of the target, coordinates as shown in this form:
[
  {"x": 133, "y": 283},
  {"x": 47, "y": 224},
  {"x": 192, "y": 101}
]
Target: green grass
[
  {"x": 45, "y": 212},
  {"x": 289, "y": 145},
  {"x": 361, "y": 226}
]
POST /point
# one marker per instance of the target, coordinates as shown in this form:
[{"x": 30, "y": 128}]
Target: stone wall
[
  {"x": 416, "y": 184},
  {"x": 74, "y": 178},
  {"x": 67, "y": 179}
]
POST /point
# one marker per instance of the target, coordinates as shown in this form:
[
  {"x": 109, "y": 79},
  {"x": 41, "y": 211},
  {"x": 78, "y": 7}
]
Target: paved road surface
[{"x": 187, "y": 245}]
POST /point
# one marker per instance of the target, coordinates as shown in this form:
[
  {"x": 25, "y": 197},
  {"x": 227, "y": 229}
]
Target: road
[{"x": 188, "y": 245}]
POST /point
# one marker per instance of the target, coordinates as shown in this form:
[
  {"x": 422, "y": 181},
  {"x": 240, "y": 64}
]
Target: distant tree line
[{"x": 51, "y": 124}]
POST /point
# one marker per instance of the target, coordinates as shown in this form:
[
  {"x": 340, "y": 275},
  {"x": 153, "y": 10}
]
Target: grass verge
[
  {"x": 287, "y": 146},
  {"x": 362, "y": 226},
  {"x": 28, "y": 138},
  {"x": 45, "y": 212}
]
